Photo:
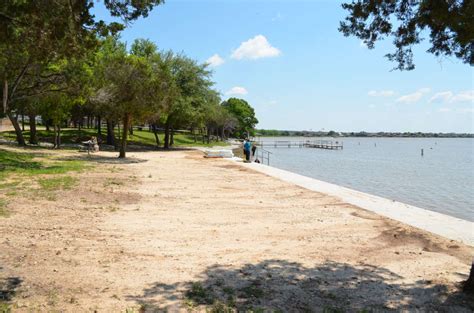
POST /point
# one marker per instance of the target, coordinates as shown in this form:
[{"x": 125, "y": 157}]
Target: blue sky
[{"x": 288, "y": 60}]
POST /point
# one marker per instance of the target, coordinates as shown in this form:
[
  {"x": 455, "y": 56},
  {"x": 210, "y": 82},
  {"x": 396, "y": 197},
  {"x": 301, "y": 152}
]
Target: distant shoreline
[{"x": 290, "y": 133}]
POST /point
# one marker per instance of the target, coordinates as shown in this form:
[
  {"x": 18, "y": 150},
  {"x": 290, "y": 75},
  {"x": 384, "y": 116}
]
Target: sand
[{"x": 174, "y": 231}]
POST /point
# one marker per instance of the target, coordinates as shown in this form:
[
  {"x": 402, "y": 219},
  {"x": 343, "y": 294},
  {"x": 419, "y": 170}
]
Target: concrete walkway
[{"x": 437, "y": 223}]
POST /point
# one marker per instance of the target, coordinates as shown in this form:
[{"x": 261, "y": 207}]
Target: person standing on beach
[
  {"x": 247, "y": 147},
  {"x": 254, "y": 149}
]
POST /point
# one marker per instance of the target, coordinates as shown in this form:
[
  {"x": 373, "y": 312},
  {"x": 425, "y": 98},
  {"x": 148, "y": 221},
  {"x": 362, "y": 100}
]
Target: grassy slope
[
  {"x": 72, "y": 135},
  {"x": 27, "y": 172}
]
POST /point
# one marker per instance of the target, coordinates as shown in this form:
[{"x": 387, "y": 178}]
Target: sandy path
[{"x": 242, "y": 235}]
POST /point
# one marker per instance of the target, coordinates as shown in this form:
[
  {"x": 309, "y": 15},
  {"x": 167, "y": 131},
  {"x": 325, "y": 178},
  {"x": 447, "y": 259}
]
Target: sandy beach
[{"x": 173, "y": 231}]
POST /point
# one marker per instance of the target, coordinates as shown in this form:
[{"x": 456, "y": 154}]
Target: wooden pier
[{"x": 318, "y": 144}]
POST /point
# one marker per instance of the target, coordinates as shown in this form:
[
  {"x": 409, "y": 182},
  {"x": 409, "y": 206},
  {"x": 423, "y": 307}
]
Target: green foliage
[
  {"x": 449, "y": 24},
  {"x": 220, "y": 307},
  {"x": 199, "y": 294},
  {"x": 244, "y": 114},
  {"x": 253, "y": 291},
  {"x": 36, "y": 37}
]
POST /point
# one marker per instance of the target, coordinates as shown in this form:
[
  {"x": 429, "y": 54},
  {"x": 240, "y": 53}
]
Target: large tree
[
  {"x": 244, "y": 114},
  {"x": 35, "y": 33},
  {"x": 127, "y": 88},
  {"x": 449, "y": 25},
  {"x": 187, "y": 88}
]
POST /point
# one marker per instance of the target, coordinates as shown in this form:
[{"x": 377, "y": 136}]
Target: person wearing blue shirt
[{"x": 247, "y": 147}]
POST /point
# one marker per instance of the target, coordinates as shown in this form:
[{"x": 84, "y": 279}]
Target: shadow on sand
[
  {"x": 282, "y": 286},
  {"x": 8, "y": 287}
]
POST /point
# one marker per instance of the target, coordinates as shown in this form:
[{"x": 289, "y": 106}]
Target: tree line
[{"x": 89, "y": 72}]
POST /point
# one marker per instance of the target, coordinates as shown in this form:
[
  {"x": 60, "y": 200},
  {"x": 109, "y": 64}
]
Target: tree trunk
[
  {"x": 131, "y": 130},
  {"x": 33, "y": 135},
  {"x": 55, "y": 138},
  {"x": 23, "y": 122},
  {"x": 208, "y": 135},
  {"x": 58, "y": 136},
  {"x": 19, "y": 134},
  {"x": 172, "y": 137},
  {"x": 123, "y": 145},
  {"x": 202, "y": 135},
  {"x": 99, "y": 126},
  {"x": 469, "y": 283},
  {"x": 110, "y": 133},
  {"x": 195, "y": 136},
  {"x": 166, "y": 145},
  {"x": 155, "y": 132},
  {"x": 5, "y": 96}
]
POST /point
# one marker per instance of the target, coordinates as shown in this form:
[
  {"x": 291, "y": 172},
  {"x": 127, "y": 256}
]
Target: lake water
[{"x": 442, "y": 180}]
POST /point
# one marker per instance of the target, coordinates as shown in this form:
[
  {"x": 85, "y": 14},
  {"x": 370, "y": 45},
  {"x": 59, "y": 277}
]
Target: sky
[{"x": 289, "y": 61}]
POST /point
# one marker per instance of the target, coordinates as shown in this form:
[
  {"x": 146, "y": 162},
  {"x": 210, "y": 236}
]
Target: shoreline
[{"x": 437, "y": 223}]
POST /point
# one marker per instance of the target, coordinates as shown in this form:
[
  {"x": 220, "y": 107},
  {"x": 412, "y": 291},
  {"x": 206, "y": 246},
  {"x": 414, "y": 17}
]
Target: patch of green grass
[
  {"x": 199, "y": 294},
  {"x": 330, "y": 309},
  {"x": 9, "y": 185},
  {"x": 220, "y": 307},
  {"x": 253, "y": 291},
  {"x": 28, "y": 164},
  {"x": 139, "y": 137},
  {"x": 3, "y": 209},
  {"x": 59, "y": 167},
  {"x": 57, "y": 183},
  {"x": 228, "y": 290},
  {"x": 180, "y": 140},
  {"x": 5, "y": 307}
]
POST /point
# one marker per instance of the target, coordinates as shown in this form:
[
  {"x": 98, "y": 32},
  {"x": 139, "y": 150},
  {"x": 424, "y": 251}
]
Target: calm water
[{"x": 442, "y": 180}]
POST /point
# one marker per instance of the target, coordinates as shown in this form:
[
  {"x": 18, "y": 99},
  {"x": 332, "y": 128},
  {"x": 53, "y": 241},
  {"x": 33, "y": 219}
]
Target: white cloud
[
  {"x": 381, "y": 93},
  {"x": 450, "y": 97},
  {"x": 215, "y": 60},
  {"x": 255, "y": 48},
  {"x": 237, "y": 91},
  {"x": 464, "y": 96},
  {"x": 444, "y": 96},
  {"x": 414, "y": 97}
]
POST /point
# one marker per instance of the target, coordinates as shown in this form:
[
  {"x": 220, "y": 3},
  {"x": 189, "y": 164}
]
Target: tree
[
  {"x": 244, "y": 114},
  {"x": 129, "y": 88},
  {"x": 449, "y": 24},
  {"x": 36, "y": 33},
  {"x": 187, "y": 85}
]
